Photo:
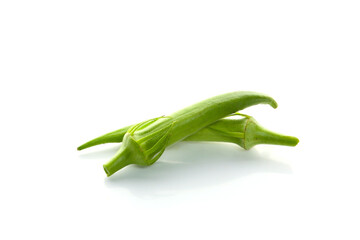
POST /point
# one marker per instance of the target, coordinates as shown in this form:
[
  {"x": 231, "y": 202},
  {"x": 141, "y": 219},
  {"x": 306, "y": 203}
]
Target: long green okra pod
[
  {"x": 245, "y": 132},
  {"x": 144, "y": 143}
]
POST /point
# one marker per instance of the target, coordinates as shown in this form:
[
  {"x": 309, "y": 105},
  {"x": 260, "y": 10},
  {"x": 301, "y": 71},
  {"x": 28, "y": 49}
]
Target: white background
[{"x": 72, "y": 70}]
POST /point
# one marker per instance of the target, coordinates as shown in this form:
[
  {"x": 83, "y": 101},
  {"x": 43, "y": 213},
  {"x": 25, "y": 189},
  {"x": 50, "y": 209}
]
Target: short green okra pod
[
  {"x": 245, "y": 132},
  {"x": 144, "y": 143}
]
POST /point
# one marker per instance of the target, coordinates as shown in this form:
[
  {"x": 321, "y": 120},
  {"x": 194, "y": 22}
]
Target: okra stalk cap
[{"x": 255, "y": 134}]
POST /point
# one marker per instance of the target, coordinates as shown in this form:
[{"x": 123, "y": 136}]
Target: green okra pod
[
  {"x": 144, "y": 143},
  {"x": 245, "y": 132}
]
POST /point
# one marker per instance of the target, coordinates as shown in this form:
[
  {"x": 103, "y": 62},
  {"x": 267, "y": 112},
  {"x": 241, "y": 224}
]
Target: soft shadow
[{"x": 187, "y": 166}]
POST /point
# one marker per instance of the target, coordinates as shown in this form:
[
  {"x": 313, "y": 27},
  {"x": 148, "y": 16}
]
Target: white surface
[{"x": 72, "y": 70}]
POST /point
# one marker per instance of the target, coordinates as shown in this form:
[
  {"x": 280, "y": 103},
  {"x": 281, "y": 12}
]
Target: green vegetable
[
  {"x": 245, "y": 132},
  {"x": 144, "y": 143}
]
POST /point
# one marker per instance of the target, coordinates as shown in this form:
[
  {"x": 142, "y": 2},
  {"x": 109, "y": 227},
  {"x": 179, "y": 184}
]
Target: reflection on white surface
[{"x": 191, "y": 166}]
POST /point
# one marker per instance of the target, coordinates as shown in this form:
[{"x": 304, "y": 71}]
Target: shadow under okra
[{"x": 191, "y": 166}]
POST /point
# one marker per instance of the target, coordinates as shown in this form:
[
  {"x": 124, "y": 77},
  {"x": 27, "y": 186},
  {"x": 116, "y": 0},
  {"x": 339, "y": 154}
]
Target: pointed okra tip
[
  {"x": 269, "y": 100},
  {"x": 85, "y": 145},
  {"x": 90, "y": 143},
  {"x": 273, "y": 103}
]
